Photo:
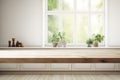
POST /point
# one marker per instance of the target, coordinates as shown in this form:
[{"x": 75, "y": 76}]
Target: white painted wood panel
[
  {"x": 82, "y": 66},
  {"x": 9, "y": 66},
  {"x": 34, "y": 67},
  {"x": 118, "y": 66},
  {"x": 60, "y": 66},
  {"x": 105, "y": 66}
]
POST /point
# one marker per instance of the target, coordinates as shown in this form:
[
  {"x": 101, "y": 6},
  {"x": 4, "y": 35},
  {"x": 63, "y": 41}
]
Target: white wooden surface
[
  {"x": 60, "y": 67},
  {"x": 34, "y": 67},
  {"x": 105, "y": 67},
  {"x": 9, "y": 67},
  {"x": 81, "y": 67},
  {"x": 119, "y": 67}
]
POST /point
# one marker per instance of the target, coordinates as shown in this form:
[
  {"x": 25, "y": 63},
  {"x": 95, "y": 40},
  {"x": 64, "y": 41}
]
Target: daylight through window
[{"x": 79, "y": 19}]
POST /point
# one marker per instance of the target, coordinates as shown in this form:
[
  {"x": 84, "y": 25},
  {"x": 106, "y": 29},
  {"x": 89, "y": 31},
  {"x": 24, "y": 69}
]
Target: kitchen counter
[{"x": 60, "y": 55}]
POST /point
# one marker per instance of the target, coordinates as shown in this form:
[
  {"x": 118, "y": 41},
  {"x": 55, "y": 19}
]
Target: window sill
[{"x": 59, "y": 48}]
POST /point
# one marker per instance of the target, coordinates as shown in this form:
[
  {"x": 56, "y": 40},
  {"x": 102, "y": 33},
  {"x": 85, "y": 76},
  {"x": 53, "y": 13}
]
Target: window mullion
[
  {"x": 45, "y": 23},
  {"x": 106, "y": 22},
  {"x": 60, "y": 17},
  {"x": 75, "y": 30},
  {"x": 89, "y": 25}
]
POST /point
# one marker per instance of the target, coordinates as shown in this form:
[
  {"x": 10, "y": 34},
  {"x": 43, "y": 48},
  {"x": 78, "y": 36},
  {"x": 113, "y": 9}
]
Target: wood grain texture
[
  {"x": 59, "y": 55},
  {"x": 60, "y": 60},
  {"x": 60, "y": 77},
  {"x": 59, "y": 73}
]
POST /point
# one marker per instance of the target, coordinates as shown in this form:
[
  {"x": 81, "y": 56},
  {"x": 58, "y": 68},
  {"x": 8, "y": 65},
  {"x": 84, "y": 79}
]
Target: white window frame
[{"x": 74, "y": 44}]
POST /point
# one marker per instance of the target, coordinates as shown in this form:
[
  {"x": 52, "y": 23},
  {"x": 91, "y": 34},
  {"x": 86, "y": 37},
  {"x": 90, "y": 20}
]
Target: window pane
[
  {"x": 52, "y": 5},
  {"x": 68, "y": 21},
  {"x": 82, "y": 23},
  {"x": 82, "y": 5},
  {"x": 68, "y": 5},
  {"x": 97, "y": 23},
  {"x": 97, "y": 5},
  {"x": 52, "y": 25}
]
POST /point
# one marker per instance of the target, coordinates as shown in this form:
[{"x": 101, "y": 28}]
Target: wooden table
[{"x": 60, "y": 55}]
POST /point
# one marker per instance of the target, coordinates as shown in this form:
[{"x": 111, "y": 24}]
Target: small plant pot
[
  {"x": 64, "y": 44},
  {"x": 89, "y": 45},
  {"x": 59, "y": 44},
  {"x": 96, "y": 44},
  {"x": 55, "y": 44}
]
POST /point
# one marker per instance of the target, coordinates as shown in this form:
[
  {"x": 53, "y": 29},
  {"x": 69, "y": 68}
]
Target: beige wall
[{"x": 21, "y": 19}]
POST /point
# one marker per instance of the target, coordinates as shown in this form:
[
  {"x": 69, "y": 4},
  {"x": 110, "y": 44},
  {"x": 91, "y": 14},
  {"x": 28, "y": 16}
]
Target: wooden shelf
[{"x": 61, "y": 55}]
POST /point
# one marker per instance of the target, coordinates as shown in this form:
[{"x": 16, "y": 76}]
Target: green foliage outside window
[
  {"x": 82, "y": 21},
  {"x": 52, "y": 4},
  {"x": 52, "y": 26}
]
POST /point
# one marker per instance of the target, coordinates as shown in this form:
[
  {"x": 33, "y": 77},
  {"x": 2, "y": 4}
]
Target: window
[{"x": 79, "y": 19}]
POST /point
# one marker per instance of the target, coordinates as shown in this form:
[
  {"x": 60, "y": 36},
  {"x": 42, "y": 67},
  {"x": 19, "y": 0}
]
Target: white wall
[
  {"x": 0, "y": 18},
  {"x": 114, "y": 23},
  {"x": 21, "y": 19}
]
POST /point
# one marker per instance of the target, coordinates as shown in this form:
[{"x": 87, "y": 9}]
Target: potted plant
[
  {"x": 58, "y": 39},
  {"x": 62, "y": 38},
  {"x": 98, "y": 38},
  {"x": 89, "y": 42},
  {"x": 55, "y": 39}
]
